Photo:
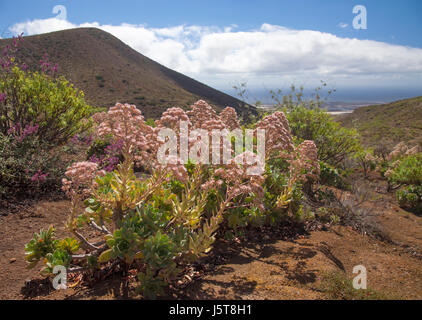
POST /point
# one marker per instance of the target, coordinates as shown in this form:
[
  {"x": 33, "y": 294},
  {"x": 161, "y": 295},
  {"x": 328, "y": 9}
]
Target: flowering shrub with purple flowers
[
  {"x": 39, "y": 112},
  {"x": 27, "y": 165},
  {"x": 105, "y": 153},
  {"x": 39, "y": 97}
]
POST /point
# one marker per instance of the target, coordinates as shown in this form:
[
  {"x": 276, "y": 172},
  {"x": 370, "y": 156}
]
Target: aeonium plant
[
  {"x": 119, "y": 219},
  {"x": 168, "y": 218}
]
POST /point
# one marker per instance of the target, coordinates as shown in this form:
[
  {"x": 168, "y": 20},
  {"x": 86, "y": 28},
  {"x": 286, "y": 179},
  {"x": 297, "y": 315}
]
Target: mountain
[
  {"x": 109, "y": 71},
  {"x": 388, "y": 124}
]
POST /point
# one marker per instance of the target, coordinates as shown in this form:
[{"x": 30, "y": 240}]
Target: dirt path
[{"x": 269, "y": 268}]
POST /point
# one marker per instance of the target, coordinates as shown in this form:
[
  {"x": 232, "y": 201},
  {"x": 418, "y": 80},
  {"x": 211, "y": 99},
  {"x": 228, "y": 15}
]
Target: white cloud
[
  {"x": 343, "y": 25},
  {"x": 40, "y": 26},
  {"x": 219, "y": 56}
]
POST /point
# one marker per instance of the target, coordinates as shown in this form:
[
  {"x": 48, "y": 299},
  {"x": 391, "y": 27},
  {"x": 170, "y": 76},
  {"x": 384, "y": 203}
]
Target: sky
[{"x": 268, "y": 44}]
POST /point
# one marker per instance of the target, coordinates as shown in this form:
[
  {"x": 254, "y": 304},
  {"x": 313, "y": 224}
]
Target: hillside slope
[
  {"x": 108, "y": 70},
  {"x": 388, "y": 124}
]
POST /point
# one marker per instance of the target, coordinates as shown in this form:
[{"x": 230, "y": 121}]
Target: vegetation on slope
[
  {"x": 388, "y": 124},
  {"x": 107, "y": 71}
]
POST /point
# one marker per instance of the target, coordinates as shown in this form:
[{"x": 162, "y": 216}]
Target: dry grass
[{"x": 337, "y": 286}]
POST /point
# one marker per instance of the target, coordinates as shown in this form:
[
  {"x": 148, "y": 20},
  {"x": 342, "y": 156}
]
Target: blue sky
[
  {"x": 185, "y": 35},
  {"x": 397, "y": 22}
]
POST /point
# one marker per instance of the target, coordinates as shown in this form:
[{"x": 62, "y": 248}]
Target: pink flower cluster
[
  {"x": 278, "y": 138},
  {"x": 48, "y": 67},
  {"x": 237, "y": 179},
  {"x": 305, "y": 166},
  {"x": 177, "y": 168},
  {"x": 201, "y": 116},
  {"x": 172, "y": 117},
  {"x": 8, "y": 60},
  {"x": 201, "y": 112},
  {"x": 22, "y": 134},
  {"x": 209, "y": 126},
  {"x": 99, "y": 117},
  {"x": 125, "y": 123},
  {"x": 81, "y": 176},
  {"x": 400, "y": 150},
  {"x": 39, "y": 176},
  {"x": 229, "y": 118}
]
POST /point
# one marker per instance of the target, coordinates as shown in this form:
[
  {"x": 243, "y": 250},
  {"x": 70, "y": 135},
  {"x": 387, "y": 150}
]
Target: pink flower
[
  {"x": 305, "y": 166},
  {"x": 81, "y": 176},
  {"x": 39, "y": 176},
  {"x": 229, "y": 118},
  {"x": 278, "y": 138},
  {"x": 126, "y": 125},
  {"x": 200, "y": 113}
]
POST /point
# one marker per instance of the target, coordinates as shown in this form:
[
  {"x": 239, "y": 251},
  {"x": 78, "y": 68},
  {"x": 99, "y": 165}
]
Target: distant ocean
[
  {"x": 346, "y": 100},
  {"x": 270, "y": 107}
]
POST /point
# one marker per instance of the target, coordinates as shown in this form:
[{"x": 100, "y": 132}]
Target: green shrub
[
  {"x": 38, "y": 113},
  {"x": 410, "y": 197},
  {"x": 409, "y": 171},
  {"x": 33, "y": 98},
  {"x": 331, "y": 176},
  {"x": 334, "y": 143},
  {"x": 161, "y": 222},
  {"x": 408, "y": 175}
]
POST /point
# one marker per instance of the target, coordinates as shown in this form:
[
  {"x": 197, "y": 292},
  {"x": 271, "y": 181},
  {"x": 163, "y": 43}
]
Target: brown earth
[{"x": 267, "y": 266}]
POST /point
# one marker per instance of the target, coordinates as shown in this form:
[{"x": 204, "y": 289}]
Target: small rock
[{"x": 12, "y": 260}]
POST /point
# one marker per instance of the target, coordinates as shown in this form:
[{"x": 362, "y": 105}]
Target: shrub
[
  {"x": 331, "y": 176},
  {"x": 410, "y": 197},
  {"x": 334, "y": 143},
  {"x": 54, "y": 105},
  {"x": 38, "y": 112},
  {"x": 28, "y": 166},
  {"x": 39, "y": 98},
  {"x": 366, "y": 160},
  {"x": 407, "y": 173},
  {"x": 55, "y": 252}
]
